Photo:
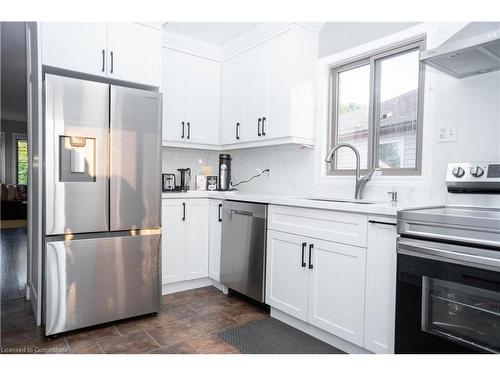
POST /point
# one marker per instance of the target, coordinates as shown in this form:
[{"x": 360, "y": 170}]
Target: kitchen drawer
[{"x": 342, "y": 227}]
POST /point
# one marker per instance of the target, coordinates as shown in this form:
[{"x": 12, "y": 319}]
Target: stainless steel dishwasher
[{"x": 243, "y": 259}]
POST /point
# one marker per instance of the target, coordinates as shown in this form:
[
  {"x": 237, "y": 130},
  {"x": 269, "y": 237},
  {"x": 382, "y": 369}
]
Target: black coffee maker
[
  {"x": 184, "y": 179},
  {"x": 224, "y": 172}
]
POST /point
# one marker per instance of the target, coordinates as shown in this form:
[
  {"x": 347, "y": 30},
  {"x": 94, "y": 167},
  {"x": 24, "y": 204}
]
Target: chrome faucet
[{"x": 360, "y": 181}]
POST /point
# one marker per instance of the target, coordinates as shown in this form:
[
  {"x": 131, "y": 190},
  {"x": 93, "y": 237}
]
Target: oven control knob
[
  {"x": 458, "y": 172},
  {"x": 476, "y": 171}
]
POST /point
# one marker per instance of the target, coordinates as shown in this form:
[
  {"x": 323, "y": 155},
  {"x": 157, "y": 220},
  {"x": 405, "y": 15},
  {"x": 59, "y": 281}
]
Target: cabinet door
[
  {"x": 380, "y": 288},
  {"x": 134, "y": 53},
  {"x": 214, "y": 249},
  {"x": 286, "y": 276},
  {"x": 256, "y": 90},
  {"x": 76, "y": 46},
  {"x": 277, "y": 121},
  {"x": 173, "y": 86},
  {"x": 173, "y": 242},
  {"x": 337, "y": 289},
  {"x": 233, "y": 100},
  {"x": 203, "y": 100},
  {"x": 196, "y": 238}
]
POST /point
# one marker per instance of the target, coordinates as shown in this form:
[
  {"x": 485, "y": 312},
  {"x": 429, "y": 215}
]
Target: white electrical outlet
[{"x": 448, "y": 133}]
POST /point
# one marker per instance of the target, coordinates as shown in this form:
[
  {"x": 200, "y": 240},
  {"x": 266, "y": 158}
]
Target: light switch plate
[{"x": 447, "y": 133}]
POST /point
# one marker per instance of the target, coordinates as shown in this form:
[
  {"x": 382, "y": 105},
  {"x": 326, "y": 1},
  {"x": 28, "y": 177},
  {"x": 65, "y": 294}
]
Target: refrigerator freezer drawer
[{"x": 93, "y": 281}]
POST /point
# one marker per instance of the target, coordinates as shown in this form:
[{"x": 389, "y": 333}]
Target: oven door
[{"x": 447, "y": 298}]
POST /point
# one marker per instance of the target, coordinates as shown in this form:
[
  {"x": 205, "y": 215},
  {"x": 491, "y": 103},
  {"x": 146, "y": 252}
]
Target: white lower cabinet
[
  {"x": 184, "y": 239},
  {"x": 215, "y": 239},
  {"x": 337, "y": 289},
  {"x": 380, "y": 288},
  {"x": 287, "y": 273},
  {"x": 317, "y": 281}
]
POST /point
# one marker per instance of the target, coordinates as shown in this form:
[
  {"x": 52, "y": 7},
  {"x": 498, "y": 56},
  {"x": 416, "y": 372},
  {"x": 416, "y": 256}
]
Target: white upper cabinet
[
  {"x": 123, "y": 51},
  {"x": 173, "y": 87},
  {"x": 75, "y": 46},
  {"x": 203, "y": 100},
  {"x": 134, "y": 53},
  {"x": 257, "y": 71},
  {"x": 277, "y": 78},
  {"x": 233, "y": 127},
  {"x": 191, "y": 99}
]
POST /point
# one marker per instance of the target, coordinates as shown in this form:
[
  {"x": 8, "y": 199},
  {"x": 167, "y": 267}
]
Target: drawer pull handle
[
  {"x": 304, "y": 244},
  {"x": 310, "y": 256}
]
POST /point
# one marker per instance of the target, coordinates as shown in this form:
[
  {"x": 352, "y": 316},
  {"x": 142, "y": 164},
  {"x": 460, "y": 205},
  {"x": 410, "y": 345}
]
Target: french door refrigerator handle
[
  {"x": 304, "y": 244},
  {"x": 310, "y": 256}
]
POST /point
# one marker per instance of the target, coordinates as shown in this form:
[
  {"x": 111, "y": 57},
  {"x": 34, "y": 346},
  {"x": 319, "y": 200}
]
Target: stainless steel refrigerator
[{"x": 102, "y": 203}]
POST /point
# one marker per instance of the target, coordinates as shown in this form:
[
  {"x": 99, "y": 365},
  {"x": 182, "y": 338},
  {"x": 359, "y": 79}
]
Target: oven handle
[{"x": 442, "y": 252}]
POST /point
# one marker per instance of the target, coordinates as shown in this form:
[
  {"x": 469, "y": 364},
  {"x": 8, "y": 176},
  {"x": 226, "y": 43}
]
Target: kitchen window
[{"x": 376, "y": 105}]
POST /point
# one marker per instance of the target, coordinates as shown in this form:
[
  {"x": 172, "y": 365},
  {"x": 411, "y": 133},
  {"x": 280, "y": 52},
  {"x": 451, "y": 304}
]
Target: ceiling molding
[{"x": 184, "y": 43}]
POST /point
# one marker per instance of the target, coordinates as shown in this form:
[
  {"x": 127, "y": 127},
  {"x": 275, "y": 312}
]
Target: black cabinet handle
[
  {"x": 183, "y": 211},
  {"x": 237, "y": 130},
  {"x": 258, "y": 127},
  {"x": 103, "y": 60},
  {"x": 310, "y": 258},
  {"x": 304, "y": 244},
  {"x": 112, "y": 62},
  {"x": 263, "y": 126},
  {"x": 182, "y": 125},
  {"x": 189, "y": 130},
  {"x": 220, "y": 211}
]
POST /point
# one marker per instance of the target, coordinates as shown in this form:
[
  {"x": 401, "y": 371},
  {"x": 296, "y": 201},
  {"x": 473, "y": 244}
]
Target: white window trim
[{"x": 433, "y": 38}]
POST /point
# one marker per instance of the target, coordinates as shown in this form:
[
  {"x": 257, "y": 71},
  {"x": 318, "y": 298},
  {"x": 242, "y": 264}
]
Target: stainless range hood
[{"x": 475, "y": 49}]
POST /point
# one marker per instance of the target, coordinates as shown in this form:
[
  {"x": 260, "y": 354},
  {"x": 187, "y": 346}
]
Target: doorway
[{"x": 13, "y": 162}]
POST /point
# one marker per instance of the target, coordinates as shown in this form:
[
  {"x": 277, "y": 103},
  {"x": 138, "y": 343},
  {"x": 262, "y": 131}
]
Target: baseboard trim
[
  {"x": 182, "y": 286},
  {"x": 318, "y": 333}
]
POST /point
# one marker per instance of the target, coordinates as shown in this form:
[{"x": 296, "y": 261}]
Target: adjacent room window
[
  {"x": 376, "y": 105},
  {"x": 21, "y": 161}
]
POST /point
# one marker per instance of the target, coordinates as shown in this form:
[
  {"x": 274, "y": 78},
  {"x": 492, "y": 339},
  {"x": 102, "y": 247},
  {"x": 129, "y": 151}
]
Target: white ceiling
[
  {"x": 13, "y": 62},
  {"x": 211, "y": 32}
]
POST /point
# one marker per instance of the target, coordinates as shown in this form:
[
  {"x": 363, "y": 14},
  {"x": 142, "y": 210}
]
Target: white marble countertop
[{"x": 374, "y": 208}]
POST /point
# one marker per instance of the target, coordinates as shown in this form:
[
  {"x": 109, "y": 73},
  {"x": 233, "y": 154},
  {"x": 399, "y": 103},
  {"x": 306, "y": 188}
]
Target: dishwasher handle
[{"x": 240, "y": 212}]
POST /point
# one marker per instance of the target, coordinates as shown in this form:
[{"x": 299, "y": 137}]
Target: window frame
[
  {"x": 17, "y": 137},
  {"x": 372, "y": 59}
]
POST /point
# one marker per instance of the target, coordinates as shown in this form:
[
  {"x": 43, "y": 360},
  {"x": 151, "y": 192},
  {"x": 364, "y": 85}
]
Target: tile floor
[
  {"x": 14, "y": 262},
  {"x": 188, "y": 323}
]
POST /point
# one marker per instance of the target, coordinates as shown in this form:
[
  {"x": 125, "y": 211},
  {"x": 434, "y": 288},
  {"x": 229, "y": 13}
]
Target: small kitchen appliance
[
  {"x": 184, "y": 179},
  {"x": 168, "y": 182},
  {"x": 224, "y": 172}
]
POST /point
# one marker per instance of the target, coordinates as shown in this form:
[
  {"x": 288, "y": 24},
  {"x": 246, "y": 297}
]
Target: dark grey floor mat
[{"x": 270, "y": 336}]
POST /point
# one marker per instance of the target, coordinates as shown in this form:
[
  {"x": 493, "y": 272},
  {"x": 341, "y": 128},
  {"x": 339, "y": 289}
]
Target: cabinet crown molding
[{"x": 240, "y": 43}]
